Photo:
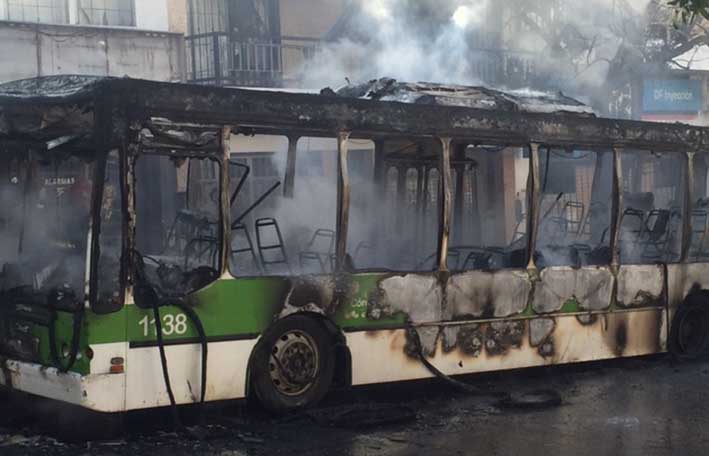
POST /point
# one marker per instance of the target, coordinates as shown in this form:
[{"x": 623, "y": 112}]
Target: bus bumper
[{"x": 101, "y": 393}]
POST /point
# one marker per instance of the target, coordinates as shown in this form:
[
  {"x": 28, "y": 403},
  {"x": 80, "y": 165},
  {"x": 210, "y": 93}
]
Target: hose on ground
[{"x": 532, "y": 399}]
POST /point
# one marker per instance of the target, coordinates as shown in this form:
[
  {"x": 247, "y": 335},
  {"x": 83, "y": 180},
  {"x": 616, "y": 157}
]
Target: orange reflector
[{"x": 117, "y": 365}]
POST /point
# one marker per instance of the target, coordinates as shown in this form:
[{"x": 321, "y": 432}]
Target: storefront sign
[{"x": 672, "y": 95}]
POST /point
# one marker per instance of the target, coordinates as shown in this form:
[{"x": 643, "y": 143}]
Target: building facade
[
  {"x": 135, "y": 38},
  {"x": 262, "y": 43}
]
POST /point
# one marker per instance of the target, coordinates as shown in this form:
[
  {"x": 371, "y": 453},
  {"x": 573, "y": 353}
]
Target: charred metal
[{"x": 460, "y": 281}]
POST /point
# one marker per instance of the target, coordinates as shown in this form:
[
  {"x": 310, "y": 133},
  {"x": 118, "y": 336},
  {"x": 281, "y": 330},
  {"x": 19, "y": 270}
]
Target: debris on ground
[
  {"x": 532, "y": 399},
  {"x": 363, "y": 415}
]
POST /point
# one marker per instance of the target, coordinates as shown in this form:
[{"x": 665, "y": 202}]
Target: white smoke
[{"x": 444, "y": 40}]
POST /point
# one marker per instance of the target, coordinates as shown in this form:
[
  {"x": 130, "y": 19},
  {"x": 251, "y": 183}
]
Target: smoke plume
[{"x": 569, "y": 44}]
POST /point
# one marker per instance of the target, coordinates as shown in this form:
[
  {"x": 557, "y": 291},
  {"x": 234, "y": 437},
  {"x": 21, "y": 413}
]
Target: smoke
[
  {"x": 570, "y": 46},
  {"x": 49, "y": 222},
  {"x": 406, "y": 40}
]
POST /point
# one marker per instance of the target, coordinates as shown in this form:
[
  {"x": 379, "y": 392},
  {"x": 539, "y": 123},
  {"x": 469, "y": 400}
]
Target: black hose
[
  {"x": 192, "y": 315},
  {"x": 203, "y": 341},
  {"x": 157, "y": 302},
  {"x": 163, "y": 362},
  {"x": 461, "y": 386},
  {"x": 531, "y": 399}
]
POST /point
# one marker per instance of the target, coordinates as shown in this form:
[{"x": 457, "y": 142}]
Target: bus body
[{"x": 325, "y": 241}]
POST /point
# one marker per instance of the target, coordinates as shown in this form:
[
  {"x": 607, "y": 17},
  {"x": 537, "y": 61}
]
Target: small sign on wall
[{"x": 672, "y": 95}]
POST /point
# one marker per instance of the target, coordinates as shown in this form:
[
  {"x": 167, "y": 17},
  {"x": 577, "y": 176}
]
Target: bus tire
[
  {"x": 293, "y": 365},
  {"x": 689, "y": 333}
]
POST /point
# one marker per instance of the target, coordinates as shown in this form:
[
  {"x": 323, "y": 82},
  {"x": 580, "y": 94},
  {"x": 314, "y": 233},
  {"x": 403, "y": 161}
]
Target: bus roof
[
  {"x": 376, "y": 111},
  {"x": 427, "y": 93}
]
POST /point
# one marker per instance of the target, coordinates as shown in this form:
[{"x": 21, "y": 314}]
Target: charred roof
[
  {"x": 54, "y": 106},
  {"x": 426, "y": 93},
  {"x": 47, "y": 88}
]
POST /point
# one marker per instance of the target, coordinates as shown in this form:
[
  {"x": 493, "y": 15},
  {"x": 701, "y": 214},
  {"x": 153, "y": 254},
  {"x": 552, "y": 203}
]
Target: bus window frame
[
  {"x": 687, "y": 202},
  {"x": 97, "y": 213},
  {"x": 218, "y": 157},
  {"x": 615, "y": 202},
  {"x": 380, "y": 173},
  {"x": 529, "y": 194},
  {"x": 534, "y": 182}
]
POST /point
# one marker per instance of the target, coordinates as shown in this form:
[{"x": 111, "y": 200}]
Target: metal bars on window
[
  {"x": 107, "y": 12},
  {"x": 45, "y": 11}
]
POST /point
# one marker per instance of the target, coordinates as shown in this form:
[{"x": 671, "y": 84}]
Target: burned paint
[
  {"x": 621, "y": 338},
  {"x": 587, "y": 319},
  {"x": 590, "y": 287},
  {"x": 449, "y": 335},
  {"x": 546, "y": 350},
  {"x": 540, "y": 329},
  {"x": 420, "y": 297},
  {"x": 318, "y": 294},
  {"x": 630, "y": 333},
  {"x": 502, "y": 336},
  {"x": 641, "y": 286},
  {"x": 479, "y": 294},
  {"x": 471, "y": 340},
  {"x": 428, "y": 339}
]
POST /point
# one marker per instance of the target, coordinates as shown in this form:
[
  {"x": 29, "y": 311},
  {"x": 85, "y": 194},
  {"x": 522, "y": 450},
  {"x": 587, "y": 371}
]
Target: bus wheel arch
[
  {"x": 295, "y": 363},
  {"x": 689, "y": 329}
]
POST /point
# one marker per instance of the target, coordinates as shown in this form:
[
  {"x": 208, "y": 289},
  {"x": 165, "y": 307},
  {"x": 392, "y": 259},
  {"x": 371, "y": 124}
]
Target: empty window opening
[
  {"x": 576, "y": 201},
  {"x": 652, "y": 209},
  {"x": 178, "y": 221},
  {"x": 273, "y": 232},
  {"x": 394, "y": 216},
  {"x": 489, "y": 192}
]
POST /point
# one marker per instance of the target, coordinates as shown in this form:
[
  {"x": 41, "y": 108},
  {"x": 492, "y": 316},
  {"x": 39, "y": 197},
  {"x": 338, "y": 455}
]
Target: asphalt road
[{"x": 643, "y": 406}]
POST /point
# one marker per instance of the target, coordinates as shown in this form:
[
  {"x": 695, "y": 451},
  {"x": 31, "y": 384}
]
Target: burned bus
[{"x": 169, "y": 244}]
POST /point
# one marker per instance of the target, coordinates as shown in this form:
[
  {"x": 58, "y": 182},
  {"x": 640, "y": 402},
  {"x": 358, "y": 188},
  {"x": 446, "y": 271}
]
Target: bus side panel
[
  {"x": 385, "y": 355},
  {"x": 641, "y": 286},
  {"x": 564, "y": 288},
  {"x": 227, "y": 364}
]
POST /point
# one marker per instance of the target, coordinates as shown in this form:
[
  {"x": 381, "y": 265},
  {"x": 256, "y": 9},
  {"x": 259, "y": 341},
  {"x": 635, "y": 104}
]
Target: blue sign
[{"x": 672, "y": 95}]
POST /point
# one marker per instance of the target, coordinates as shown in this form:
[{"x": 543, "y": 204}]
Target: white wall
[
  {"x": 150, "y": 14},
  {"x": 26, "y": 52}
]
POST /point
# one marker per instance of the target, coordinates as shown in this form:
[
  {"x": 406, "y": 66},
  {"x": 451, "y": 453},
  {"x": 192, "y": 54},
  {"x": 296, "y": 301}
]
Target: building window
[
  {"x": 107, "y": 12},
  {"x": 207, "y": 16},
  {"x": 48, "y": 11}
]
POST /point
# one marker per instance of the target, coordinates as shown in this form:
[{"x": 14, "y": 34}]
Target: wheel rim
[
  {"x": 293, "y": 364},
  {"x": 692, "y": 332}
]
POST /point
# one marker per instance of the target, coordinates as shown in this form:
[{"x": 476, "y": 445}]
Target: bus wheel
[
  {"x": 293, "y": 365},
  {"x": 689, "y": 334}
]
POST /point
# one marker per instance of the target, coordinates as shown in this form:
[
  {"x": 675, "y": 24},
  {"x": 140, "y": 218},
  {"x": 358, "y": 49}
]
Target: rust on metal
[
  {"x": 533, "y": 203},
  {"x": 289, "y": 179},
  {"x": 617, "y": 204},
  {"x": 343, "y": 199},
  {"x": 446, "y": 207}
]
